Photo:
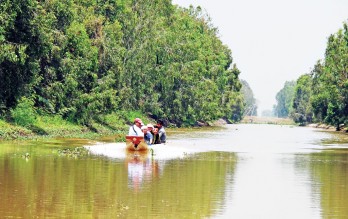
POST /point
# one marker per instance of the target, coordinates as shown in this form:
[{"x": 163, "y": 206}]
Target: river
[{"x": 235, "y": 171}]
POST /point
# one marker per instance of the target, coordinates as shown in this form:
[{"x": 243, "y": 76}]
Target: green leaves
[
  {"x": 249, "y": 99},
  {"x": 83, "y": 59},
  {"x": 323, "y": 94},
  {"x": 285, "y": 99},
  {"x": 24, "y": 113},
  {"x": 332, "y": 79},
  {"x": 301, "y": 107}
]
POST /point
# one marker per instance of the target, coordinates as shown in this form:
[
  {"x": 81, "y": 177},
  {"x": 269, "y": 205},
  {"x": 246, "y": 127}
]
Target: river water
[{"x": 235, "y": 171}]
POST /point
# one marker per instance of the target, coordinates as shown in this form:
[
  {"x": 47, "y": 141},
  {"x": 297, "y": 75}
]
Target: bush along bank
[
  {"x": 115, "y": 125},
  {"x": 55, "y": 126}
]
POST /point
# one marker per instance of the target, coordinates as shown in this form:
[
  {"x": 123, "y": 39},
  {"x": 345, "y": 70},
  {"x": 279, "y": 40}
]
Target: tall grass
[{"x": 27, "y": 124}]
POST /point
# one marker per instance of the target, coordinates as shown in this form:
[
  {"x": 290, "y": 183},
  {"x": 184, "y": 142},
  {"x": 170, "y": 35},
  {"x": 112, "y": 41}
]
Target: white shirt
[{"x": 135, "y": 131}]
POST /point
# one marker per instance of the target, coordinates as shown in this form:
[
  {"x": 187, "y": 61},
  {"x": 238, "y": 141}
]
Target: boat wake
[{"x": 166, "y": 151}]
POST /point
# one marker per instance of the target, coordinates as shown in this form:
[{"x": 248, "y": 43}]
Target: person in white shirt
[{"x": 135, "y": 130}]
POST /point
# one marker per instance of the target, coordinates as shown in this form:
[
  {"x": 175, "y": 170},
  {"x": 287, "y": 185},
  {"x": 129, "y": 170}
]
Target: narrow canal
[{"x": 238, "y": 171}]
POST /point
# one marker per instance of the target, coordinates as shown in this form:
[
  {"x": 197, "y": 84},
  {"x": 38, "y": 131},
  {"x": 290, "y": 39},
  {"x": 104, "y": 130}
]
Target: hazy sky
[{"x": 274, "y": 41}]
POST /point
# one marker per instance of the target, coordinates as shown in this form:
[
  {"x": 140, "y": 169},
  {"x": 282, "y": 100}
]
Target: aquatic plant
[
  {"x": 75, "y": 152},
  {"x": 152, "y": 152}
]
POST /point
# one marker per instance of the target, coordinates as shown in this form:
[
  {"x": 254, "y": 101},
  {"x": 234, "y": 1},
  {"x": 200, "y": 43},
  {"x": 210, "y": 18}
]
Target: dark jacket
[{"x": 156, "y": 139}]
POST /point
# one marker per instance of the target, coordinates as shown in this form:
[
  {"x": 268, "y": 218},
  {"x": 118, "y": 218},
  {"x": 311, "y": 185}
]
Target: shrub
[{"x": 24, "y": 113}]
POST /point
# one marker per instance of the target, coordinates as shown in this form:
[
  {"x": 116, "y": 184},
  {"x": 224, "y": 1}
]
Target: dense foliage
[
  {"x": 249, "y": 99},
  {"x": 322, "y": 95},
  {"x": 301, "y": 107},
  {"x": 284, "y": 100},
  {"x": 84, "y": 59}
]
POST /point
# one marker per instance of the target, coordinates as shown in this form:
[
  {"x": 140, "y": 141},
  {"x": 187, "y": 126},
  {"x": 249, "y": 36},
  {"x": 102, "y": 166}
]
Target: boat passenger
[
  {"x": 156, "y": 137},
  {"x": 147, "y": 135},
  {"x": 161, "y": 131},
  {"x": 135, "y": 130},
  {"x": 150, "y": 127}
]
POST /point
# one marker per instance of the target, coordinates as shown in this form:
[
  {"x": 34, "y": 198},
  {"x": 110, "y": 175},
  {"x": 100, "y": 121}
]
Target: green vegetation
[
  {"x": 267, "y": 120},
  {"x": 322, "y": 95},
  {"x": 76, "y": 152},
  {"x": 284, "y": 100},
  {"x": 54, "y": 126},
  {"x": 249, "y": 99},
  {"x": 302, "y": 109},
  {"x": 24, "y": 114},
  {"x": 86, "y": 61}
]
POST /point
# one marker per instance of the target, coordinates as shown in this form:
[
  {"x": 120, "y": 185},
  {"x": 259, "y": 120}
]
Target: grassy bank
[
  {"x": 268, "y": 120},
  {"x": 108, "y": 125},
  {"x": 55, "y": 126}
]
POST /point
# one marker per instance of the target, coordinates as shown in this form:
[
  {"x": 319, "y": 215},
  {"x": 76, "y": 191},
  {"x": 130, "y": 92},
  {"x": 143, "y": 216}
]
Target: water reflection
[
  {"x": 240, "y": 171},
  {"x": 141, "y": 169},
  {"x": 99, "y": 187},
  {"x": 270, "y": 187},
  {"x": 329, "y": 169}
]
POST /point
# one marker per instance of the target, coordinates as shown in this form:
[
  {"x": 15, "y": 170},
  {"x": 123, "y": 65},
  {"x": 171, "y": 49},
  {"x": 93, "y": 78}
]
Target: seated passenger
[
  {"x": 147, "y": 135},
  {"x": 156, "y": 137},
  {"x": 135, "y": 130},
  {"x": 161, "y": 131},
  {"x": 150, "y": 128}
]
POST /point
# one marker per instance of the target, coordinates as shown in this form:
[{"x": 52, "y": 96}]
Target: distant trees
[
  {"x": 330, "y": 81},
  {"x": 322, "y": 95},
  {"x": 83, "y": 59},
  {"x": 301, "y": 106},
  {"x": 284, "y": 100},
  {"x": 249, "y": 99}
]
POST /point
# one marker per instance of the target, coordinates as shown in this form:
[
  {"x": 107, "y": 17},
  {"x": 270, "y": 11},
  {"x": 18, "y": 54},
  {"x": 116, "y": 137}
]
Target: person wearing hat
[
  {"x": 150, "y": 127},
  {"x": 147, "y": 135},
  {"x": 135, "y": 130}
]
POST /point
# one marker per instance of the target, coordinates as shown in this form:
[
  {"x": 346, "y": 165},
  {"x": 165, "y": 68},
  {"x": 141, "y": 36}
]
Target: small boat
[{"x": 136, "y": 143}]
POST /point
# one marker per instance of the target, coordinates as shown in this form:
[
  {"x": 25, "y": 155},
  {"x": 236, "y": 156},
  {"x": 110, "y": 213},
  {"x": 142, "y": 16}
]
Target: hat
[
  {"x": 137, "y": 120},
  {"x": 143, "y": 127},
  {"x": 149, "y": 125}
]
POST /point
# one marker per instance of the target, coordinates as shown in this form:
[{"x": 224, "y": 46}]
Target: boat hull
[{"x": 136, "y": 143}]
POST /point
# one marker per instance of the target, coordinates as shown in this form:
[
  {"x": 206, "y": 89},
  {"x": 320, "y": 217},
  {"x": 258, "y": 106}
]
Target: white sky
[{"x": 274, "y": 41}]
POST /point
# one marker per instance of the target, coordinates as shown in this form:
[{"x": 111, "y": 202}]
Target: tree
[
  {"x": 249, "y": 99},
  {"x": 285, "y": 99},
  {"x": 84, "y": 59},
  {"x": 301, "y": 108},
  {"x": 330, "y": 81}
]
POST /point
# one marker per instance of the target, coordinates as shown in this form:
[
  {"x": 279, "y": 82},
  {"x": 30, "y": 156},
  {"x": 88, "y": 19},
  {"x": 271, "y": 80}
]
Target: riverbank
[
  {"x": 267, "y": 120},
  {"x": 112, "y": 125},
  {"x": 288, "y": 121},
  {"x": 326, "y": 127},
  {"x": 55, "y": 126}
]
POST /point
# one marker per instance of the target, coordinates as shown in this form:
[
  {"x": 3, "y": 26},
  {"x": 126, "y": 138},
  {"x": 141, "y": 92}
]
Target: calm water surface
[{"x": 239, "y": 171}]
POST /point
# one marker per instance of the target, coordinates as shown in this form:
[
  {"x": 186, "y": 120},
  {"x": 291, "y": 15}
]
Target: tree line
[
  {"x": 321, "y": 95},
  {"x": 249, "y": 99},
  {"x": 85, "y": 59}
]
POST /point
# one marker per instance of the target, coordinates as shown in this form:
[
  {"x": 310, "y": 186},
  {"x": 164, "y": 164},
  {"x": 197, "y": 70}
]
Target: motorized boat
[{"x": 135, "y": 143}]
